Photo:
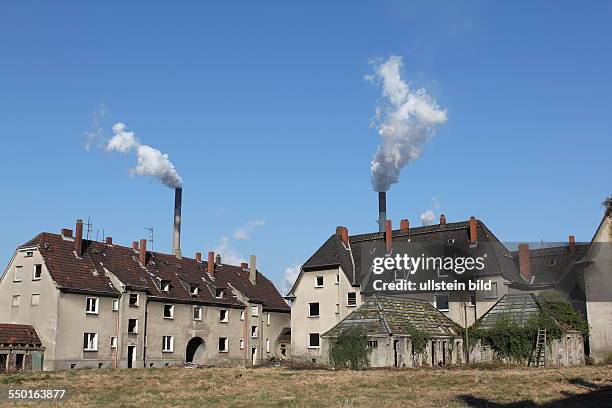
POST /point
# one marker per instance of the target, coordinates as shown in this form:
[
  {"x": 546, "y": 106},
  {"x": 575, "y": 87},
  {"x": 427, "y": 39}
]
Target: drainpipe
[
  {"x": 144, "y": 347},
  {"x": 467, "y": 338}
]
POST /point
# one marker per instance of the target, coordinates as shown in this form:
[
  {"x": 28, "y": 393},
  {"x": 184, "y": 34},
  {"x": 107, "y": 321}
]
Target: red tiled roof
[
  {"x": 87, "y": 273},
  {"x": 15, "y": 334}
]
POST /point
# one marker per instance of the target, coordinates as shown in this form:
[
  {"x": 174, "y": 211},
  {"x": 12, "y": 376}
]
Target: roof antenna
[
  {"x": 89, "y": 227},
  {"x": 150, "y": 237}
]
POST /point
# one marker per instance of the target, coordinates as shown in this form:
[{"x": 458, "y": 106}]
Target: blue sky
[{"x": 265, "y": 112}]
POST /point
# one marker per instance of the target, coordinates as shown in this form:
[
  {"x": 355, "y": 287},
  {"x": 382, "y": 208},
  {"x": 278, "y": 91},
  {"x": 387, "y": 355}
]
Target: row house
[{"x": 99, "y": 304}]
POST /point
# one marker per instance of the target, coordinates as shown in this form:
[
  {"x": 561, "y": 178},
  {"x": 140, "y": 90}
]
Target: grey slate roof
[{"x": 383, "y": 315}]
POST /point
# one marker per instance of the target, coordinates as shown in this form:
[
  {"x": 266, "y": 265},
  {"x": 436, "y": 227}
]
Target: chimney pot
[
  {"x": 135, "y": 246},
  {"x": 211, "y": 263},
  {"x": 473, "y": 230},
  {"x": 66, "y": 233},
  {"x": 404, "y": 225},
  {"x": 442, "y": 219},
  {"x": 524, "y": 261},
  {"x": 218, "y": 259},
  {"x": 388, "y": 236},
  {"x": 244, "y": 265},
  {"x": 253, "y": 269},
  {"x": 143, "y": 252},
  {"x": 109, "y": 240},
  {"x": 78, "y": 239},
  {"x": 198, "y": 256},
  {"x": 572, "y": 244}
]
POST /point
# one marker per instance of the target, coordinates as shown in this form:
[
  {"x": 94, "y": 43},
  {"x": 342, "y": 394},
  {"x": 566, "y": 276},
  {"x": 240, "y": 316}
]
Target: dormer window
[
  {"x": 194, "y": 290},
  {"x": 164, "y": 286},
  {"x": 219, "y": 293}
]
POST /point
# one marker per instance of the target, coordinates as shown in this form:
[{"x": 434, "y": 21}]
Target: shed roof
[{"x": 18, "y": 335}]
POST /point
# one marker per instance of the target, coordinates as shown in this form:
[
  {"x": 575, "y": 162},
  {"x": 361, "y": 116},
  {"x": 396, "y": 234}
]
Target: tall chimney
[
  {"x": 524, "y": 261},
  {"x": 253, "y": 270},
  {"x": 211, "y": 263},
  {"x": 198, "y": 257},
  {"x": 143, "y": 252},
  {"x": 176, "y": 237},
  {"x": 382, "y": 210},
  {"x": 388, "y": 236},
  {"x": 109, "y": 240},
  {"x": 135, "y": 246},
  {"x": 78, "y": 238},
  {"x": 442, "y": 219},
  {"x": 473, "y": 230},
  {"x": 405, "y": 225},
  {"x": 572, "y": 244}
]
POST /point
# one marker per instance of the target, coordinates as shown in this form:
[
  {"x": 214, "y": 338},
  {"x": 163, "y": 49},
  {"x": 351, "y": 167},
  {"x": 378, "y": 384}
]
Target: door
[
  {"x": 131, "y": 356},
  {"x": 443, "y": 353},
  {"x": 433, "y": 353},
  {"x": 254, "y": 356},
  {"x": 395, "y": 353}
]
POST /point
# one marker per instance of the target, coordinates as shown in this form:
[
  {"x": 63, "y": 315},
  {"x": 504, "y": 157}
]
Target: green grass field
[{"x": 281, "y": 387}]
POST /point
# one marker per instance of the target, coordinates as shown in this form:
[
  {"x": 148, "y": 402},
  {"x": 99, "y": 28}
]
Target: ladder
[{"x": 538, "y": 354}]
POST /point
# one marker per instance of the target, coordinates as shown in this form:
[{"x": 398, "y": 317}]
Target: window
[
  {"x": 313, "y": 309},
  {"x": 133, "y": 326},
  {"x": 441, "y": 302},
  {"x": 90, "y": 341},
  {"x": 241, "y": 344},
  {"x": 223, "y": 345},
  {"x": 372, "y": 344},
  {"x": 254, "y": 332},
  {"x": 164, "y": 286},
  {"x": 351, "y": 299},
  {"x": 318, "y": 282},
  {"x": 242, "y": 315},
  {"x": 337, "y": 278},
  {"x": 37, "y": 272},
  {"x": 268, "y": 318},
  {"x": 15, "y": 302},
  {"x": 472, "y": 299},
  {"x": 115, "y": 305},
  {"x": 267, "y": 345},
  {"x": 283, "y": 350},
  {"x": 492, "y": 294},
  {"x": 91, "y": 305},
  {"x": 18, "y": 274},
  {"x": 35, "y": 299},
  {"x": 113, "y": 342},
  {"x": 168, "y": 311},
  {"x": 28, "y": 254},
  {"x": 197, "y": 313},
  {"x": 254, "y": 310},
  {"x": 313, "y": 340},
  {"x": 134, "y": 298},
  {"x": 167, "y": 344},
  {"x": 451, "y": 241},
  {"x": 223, "y": 316},
  {"x": 219, "y": 293},
  {"x": 194, "y": 290}
]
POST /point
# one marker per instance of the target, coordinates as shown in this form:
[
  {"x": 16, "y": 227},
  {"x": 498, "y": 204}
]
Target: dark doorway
[
  {"x": 433, "y": 353},
  {"x": 195, "y": 351},
  {"x": 19, "y": 362},
  {"x": 3, "y": 361},
  {"x": 443, "y": 353},
  {"x": 395, "y": 353},
  {"x": 131, "y": 356},
  {"x": 254, "y": 356}
]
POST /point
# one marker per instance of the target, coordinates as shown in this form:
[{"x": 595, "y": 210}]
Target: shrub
[
  {"x": 419, "y": 339},
  {"x": 350, "y": 349}
]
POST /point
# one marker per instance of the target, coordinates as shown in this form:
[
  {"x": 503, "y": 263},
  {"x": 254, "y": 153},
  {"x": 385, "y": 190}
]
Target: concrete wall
[
  {"x": 332, "y": 299},
  {"x": 42, "y": 317}
]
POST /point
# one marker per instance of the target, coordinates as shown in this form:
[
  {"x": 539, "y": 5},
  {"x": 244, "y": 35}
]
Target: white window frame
[
  {"x": 348, "y": 303},
  {"x": 242, "y": 314},
  {"x": 241, "y": 344},
  {"x": 16, "y": 301},
  {"x": 171, "y": 312},
  {"x": 254, "y": 310},
  {"x": 268, "y": 319},
  {"x": 267, "y": 345},
  {"x": 310, "y": 346},
  {"x": 32, "y": 299},
  {"x": 115, "y": 305},
  {"x": 316, "y": 285},
  {"x": 135, "y": 331},
  {"x": 34, "y": 277},
  {"x": 254, "y": 333},
  {"x": 310, "y": 310},
  {"x": 200, "y": 311},
  {"x": 194, "y": 290},
  {"x": 226, "y": 316},
  {"x": 164, "y": 286},
  {"x": 113, "y": 342},
  {"x": 225, "y": 345},
  {"x": 92, "y": 341},
  {"x": 18, "y": 273},
  {"x": 95, "y": 303},
  {"x": 447, "y": 301},
  {"x": 137, "y": 300},
  {"x": 167, "y": 344}
]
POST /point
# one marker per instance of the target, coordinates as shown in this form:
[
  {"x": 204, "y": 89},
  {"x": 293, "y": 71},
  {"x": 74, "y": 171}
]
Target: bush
[
  {"x": 558, "y": 307},
  {"x": 350, "y": 349},
  {"x": 419, "y": 339}
]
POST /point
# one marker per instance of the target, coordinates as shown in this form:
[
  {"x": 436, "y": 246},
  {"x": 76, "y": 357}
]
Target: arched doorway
[{"x": 195, "y": 351}]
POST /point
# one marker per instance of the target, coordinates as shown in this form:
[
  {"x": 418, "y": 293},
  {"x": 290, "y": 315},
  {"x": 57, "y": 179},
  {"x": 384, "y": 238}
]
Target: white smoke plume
[
  {"x": 95, "y": 135},
  {"x": 405, "y": 123},
  {"x": 229, "y": 255},
  {"x": 150, "y": 161},
  {"x": 244, "y": 232},
  {"x": 429, "y": 216}
]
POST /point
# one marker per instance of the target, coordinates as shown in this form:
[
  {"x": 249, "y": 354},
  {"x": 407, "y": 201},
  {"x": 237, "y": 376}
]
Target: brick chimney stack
[
  {"x": 253, "y": 269},
  {"x": 78, "y": 238},
  {"x": 109, "y": 240},
  {"x": 442, "y": 219},
  {"x": 211, "y": 263},
  {"x": 524, "y": 261},
  {"x": 388, "y": 236},
  {"x": 135, "y": 246},
  {"x": 473, "y": 230},
  {"x": 244, "y": 265},
  {"x": 572, "y": 244},
  {"x": 143, "y": 252},
  {"x": 404, "y": 225},
  {"x": 198, "y": 257}
]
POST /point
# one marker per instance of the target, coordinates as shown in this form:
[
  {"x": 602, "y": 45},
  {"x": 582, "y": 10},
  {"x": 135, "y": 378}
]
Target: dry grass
[{"x": 279, "y": 387}]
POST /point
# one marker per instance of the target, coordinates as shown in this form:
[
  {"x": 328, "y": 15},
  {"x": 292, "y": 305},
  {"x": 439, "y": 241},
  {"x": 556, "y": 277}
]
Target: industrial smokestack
[
  {"x": 176, "y": 237},
  {"x": 382, "y": 210}
]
